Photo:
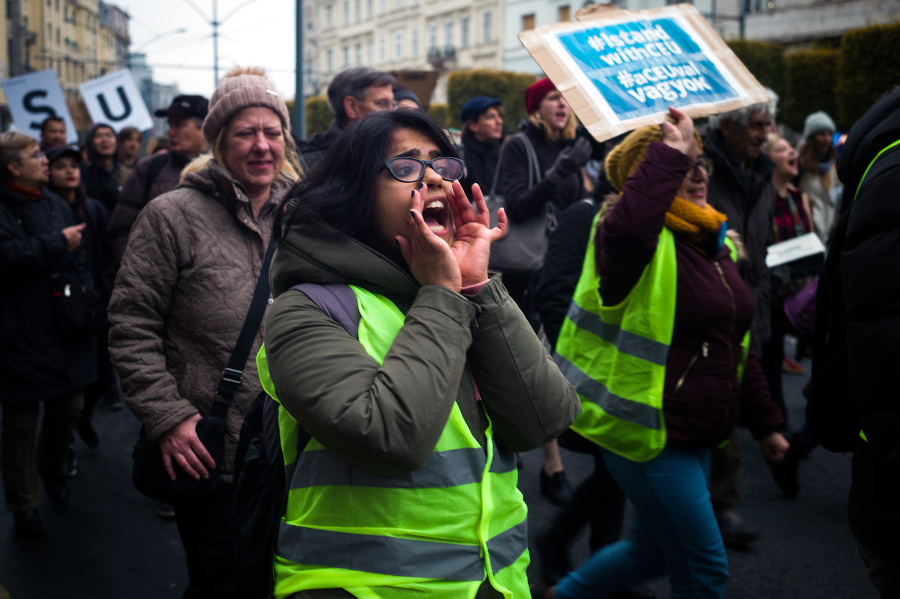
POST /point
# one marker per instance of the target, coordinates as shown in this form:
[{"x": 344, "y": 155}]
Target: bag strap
[
  {"x": 534, "y": 169},
  {"x": 866, "y": 172},
  {"x": 234, "y": 370},
  {"x": 337, "y": 301}
]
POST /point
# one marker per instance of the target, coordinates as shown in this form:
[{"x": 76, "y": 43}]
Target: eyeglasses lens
[{"x": 410, "y": 170}]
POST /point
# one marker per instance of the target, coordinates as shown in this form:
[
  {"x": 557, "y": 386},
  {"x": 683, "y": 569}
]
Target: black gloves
[{"x": 570, "y": 160}]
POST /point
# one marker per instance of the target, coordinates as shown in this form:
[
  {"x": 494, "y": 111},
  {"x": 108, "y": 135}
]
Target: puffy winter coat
[{"x": 180, "y": 299}]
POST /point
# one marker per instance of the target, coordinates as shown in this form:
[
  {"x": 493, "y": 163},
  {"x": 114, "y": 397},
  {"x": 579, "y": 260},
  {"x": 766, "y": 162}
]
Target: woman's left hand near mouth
[{"x": 473, "y": 233}]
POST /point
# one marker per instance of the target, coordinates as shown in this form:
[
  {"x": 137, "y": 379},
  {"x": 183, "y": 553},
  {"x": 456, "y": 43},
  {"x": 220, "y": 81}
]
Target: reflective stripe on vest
[{"x": 440, "y": 531}]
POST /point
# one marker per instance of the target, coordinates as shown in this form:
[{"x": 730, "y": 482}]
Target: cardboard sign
[
  {"x": 621, "y": 70},
  {"x": 34, "y": 97},
  {"x": 114, "y": 99}
]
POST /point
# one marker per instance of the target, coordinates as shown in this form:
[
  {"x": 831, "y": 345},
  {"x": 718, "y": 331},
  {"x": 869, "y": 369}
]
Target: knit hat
[
  {"x": 473, "y": 107},
  {"x": 535, "y": 93},
  {"x": 623, "y": 160},
  {"x": 817, "y": 121},
  {"x": 236, "y": 93},
  {"x": 402, "y": 92}
]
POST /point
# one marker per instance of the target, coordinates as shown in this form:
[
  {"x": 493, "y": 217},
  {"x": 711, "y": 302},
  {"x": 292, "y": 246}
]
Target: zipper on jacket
[
  {"x": 703, "y": 351},
  {"x": 733, "y": 315}
]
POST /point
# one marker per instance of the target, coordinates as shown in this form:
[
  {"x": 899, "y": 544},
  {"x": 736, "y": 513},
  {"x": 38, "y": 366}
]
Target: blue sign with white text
[{"x": 643, "y": 67}]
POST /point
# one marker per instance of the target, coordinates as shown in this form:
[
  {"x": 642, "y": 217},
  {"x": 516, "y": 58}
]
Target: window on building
[
  {"x": 398, "y": 46},
  {"x": 370, "y": 52},
  {"x": 368, "y": 9},
  {"x": 381, "y": 7},
  {"x": 328, "y": 22},
  {"x": 448, "y": 35},
  {"x": 382, "y": 50},
  {"x": 528, "y": 22},
  {"x": 346, "y": 51},
  {"x": 357, "y": 11},
  {"x": 57, "y": 35},
  {"x": 358, "y": 54},
  {"x": 432, "y": 37},
  {"x": 464, "y": 32},
  {"x": 346, "y": 12},
  {"x": 414, "y": 42},
  {"x": 398, "y": 3},
  {"x": 564, "y": 13},
  {"x": 329, "y": 64},
  {"x": 487, "y": 27},
  {"x": 49, "y": 31}
]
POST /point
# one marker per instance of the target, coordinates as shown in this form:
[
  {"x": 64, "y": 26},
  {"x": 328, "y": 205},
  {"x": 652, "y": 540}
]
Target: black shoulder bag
[{"x": 148, "y": 473}]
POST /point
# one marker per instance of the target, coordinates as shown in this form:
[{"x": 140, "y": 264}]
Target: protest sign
[
  {"x": 114, "y": 99},
  {"x": 620, "y": 70},
  {"x": 34, "y": 97}
]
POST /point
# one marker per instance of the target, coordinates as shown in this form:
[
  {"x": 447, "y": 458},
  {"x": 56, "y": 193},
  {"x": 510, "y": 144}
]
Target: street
[{"x": 108, "y": 542}]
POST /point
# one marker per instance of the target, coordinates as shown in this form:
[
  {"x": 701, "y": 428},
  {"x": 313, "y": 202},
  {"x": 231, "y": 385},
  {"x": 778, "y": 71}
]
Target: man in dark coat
[
  {"x": 740, "y": 187},
  {"x": 158, "y": 174},
  {"x": 860, "y": 292},
  {"x": 352, "y": 94}
]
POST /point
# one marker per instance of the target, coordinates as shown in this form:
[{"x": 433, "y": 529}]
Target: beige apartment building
[
  {"x": 79, "y": 39},
  {"x": 394, "y": 35}
]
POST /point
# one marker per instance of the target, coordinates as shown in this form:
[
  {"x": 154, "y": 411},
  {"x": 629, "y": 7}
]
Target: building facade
[
  {"x": 79, "y": 39},
  {"x": 395, "y": 35}
]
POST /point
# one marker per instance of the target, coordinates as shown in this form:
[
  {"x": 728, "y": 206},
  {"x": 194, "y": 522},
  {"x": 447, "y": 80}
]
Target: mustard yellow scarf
[{"x": 698, "y": 225}]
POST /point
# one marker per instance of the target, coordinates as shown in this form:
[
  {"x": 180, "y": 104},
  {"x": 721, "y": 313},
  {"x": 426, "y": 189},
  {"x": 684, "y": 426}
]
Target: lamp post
[{"x": 215, "y": 22}]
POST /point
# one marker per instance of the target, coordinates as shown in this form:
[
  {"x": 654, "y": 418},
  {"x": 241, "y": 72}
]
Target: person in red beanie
[{"x": 550, "y": 130}]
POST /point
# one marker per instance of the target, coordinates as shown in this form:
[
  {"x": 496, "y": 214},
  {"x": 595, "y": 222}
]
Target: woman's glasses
[
  {"x": 410, "y": 170},
  {"x": 702, "y": 162}
]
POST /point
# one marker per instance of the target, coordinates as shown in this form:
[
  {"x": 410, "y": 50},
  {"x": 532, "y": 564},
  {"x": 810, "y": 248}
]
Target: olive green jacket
[{"x": 387, "y": 419}]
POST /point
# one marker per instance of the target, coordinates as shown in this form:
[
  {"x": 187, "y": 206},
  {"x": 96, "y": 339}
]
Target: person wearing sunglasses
[
  {"x": 407, "y": 487},
  {"x": 656, "y": 342}
]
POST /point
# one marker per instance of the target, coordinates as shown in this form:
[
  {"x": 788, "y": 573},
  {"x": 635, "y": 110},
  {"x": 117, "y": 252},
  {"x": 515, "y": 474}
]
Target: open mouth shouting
[{"x": 436, "y": 214}]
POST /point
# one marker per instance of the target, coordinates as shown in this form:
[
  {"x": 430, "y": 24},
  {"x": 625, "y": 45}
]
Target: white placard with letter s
[
  {"x": 114, "y": 99},
  {"x": 34, "y": 97}
]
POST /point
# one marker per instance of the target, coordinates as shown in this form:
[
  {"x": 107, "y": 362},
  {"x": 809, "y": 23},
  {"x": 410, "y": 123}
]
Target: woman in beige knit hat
[{"x": 183, "y": 291}]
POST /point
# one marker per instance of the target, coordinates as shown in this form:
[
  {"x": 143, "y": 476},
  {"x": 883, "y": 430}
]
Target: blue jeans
[{"x": 675, "y": 531}]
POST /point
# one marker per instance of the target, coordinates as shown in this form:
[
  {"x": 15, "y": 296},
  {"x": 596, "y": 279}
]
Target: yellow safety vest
[
  {"x": 615, "y": 356},
  {"x": 439, "y": 532}
]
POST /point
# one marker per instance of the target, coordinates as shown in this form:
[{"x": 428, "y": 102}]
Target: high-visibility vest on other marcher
[
  {"x": 615, "y": 356},
  {"x": 439, "y": 532}
]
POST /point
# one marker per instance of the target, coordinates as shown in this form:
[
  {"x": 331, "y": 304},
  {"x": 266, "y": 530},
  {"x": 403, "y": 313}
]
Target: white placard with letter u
[{"x": 114, "y": 99}]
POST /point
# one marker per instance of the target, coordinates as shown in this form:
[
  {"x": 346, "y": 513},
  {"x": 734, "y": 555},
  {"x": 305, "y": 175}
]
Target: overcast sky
[{"x": 254, "y": 33}]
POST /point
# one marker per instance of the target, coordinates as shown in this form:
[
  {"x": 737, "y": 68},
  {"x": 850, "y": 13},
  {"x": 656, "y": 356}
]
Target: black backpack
[{"x": 260, "y": 488}]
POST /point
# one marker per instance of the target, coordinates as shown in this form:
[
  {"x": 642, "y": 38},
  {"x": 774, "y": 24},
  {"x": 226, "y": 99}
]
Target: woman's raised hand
[
  {"x": 429, "y": 258},
  {"x": 474, "y": 234},
  {"x": 680, "y": 134}
]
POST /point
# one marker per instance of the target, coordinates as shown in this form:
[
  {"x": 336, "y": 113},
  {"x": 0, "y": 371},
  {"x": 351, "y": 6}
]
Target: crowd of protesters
[{"x": 128, "y": 280}]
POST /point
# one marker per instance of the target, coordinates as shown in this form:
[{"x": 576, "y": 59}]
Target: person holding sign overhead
[{"x": 657, "y": 345}]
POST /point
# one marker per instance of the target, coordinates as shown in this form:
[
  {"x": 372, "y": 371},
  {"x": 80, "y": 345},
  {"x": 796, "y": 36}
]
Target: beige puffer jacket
[{"x": 180, "y": 299}]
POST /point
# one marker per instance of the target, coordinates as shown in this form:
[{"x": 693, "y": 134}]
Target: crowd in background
[{"x": 666, "y": 327}]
